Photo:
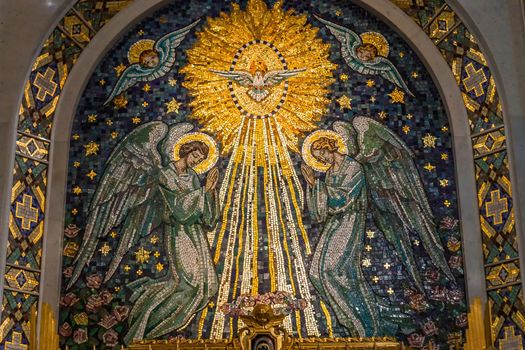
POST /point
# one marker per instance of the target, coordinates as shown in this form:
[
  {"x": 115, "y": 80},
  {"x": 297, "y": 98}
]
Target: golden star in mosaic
[
  {"x": 444, "y": 129},
  {"x": 343, "y": 77},
  {"x": 114, "y": 134},
  {"x": 139, "y": 272},
  {"x": 91, "y": 174},
  {"x": 159, "y": 267},
  {"x": 146, "y": 88},
  {"x": 447, "y": 203},
  {"x": 76, "y": 164},
  {"x": 370, "y": 83},
  {"x": 142, "y": 255},
  {"x": 387, "y": 266},
  {"x": 135, "y": 120},
  {"x": 373, "y": 99},
  {"x": 429, "y": 141},
  {"x": 429, "y": 167},
  {"x": 370, "y": 234},
  {"x": 383, "y": 115},
  {"x": 415, "y": 75},
  {"x": 113, "y": 234},
  {"x": 444, "y": 156},
  {"x": 119, "y": 69},
  {"x": 140, "y": 33},
  {"x": 116, "y": 289},
  {"x": 338, "y": 13},
  {"x": 91, "y": 148},
  {"x": 375, "y": 279},
  {"x": 390, "y": 291},
  {"x": 409, "y": 116},
  {"x": 366, "y": 262},
  {"x": 443, "y": 182},
  {"x": 417, "y": 243},
  {"x": 145, "y": 104},
  {"x": 172, "y": 106},
  {"x": 120, "y": 101},
  {"x": 92, "y": 118},
  {"x": 401, "y": 54},
  {"x": 368, "y": 248},
  {"x": 172, "y": 82},
  {"x": 127, "y": 268},
  {"x": 211, "y": 304},
  {"x": 77, "y": 190},
  {"x": 397, "y": 96},
  {"x": 406, "y": 129},
  {"x": 154, "y": 239},
  {"x": 74, "y": 211},
  {"x": 345, "y": 102},
  {"x": 105, "y": 249},
  {"x": 109, "y": 122},
  {"x": 76, "y": 137},
  {"x": 101, "y": 82}
]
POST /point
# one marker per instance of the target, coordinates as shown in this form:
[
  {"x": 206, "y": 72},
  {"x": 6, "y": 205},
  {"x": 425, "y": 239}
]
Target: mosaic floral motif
[{"x": 457, "y": 45}]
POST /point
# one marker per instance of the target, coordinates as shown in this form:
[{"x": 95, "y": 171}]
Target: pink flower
[
  {"x": 71, "y": 231},
  {"x": 455, "y": 262},
  {"x": 120, "y": 313},
  {"x": 448, "y": 223},
  {"x": 68, "y": 272},
  {"x": 65, "y": 330},
  {"x": 429, "y": 328},
  {"x": 416, "y": 340},
  {"x": 438, "y": 293},
  {"x": 80, "y": 336},
  {"x": 461, "y": 320},
  {"x": 69, "y": 299},
  {"x": 108, "y": 321},
  {"x": 94, "y": 302},
  {"x": 432, "y": 275},
  {"x": 93, "y": 281},
  {"x": 110, "y": 338},
  {"x": 106, "y": 296},
  {"x": 455, "y": 296},
  {"x": 417, "y": 302}
]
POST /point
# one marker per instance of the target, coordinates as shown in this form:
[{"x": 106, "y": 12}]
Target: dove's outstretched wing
[
  {"x": 241, "y": 77},
  {"x": 397, "y": 199},
  {"x": 127, "y": 196},
  {"x": 165, "y": 48},
  {"x": 383, "y": 67},
  {"x": 275, "y": 77},
  {"x": 349, "y": 39}
]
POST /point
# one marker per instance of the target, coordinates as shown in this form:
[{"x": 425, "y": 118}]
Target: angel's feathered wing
[
  {"x": 241, "y": 77},
  {"x": 397, "y": 200},
  {"x": 379, "y": 66},
  {"x": 127, "y": 195},
  {"x": 165, "y": 48}
]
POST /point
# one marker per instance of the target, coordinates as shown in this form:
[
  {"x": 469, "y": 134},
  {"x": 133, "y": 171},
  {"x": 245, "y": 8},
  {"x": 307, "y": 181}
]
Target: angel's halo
[
  {"x": 213, "y": 151},
  {"x": 306, "y": 151}
]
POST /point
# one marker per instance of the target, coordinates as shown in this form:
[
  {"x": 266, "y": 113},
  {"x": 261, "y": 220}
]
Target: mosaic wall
[
  {"x": 458, "y": 47},
  {"x": 275, "y": 259}
]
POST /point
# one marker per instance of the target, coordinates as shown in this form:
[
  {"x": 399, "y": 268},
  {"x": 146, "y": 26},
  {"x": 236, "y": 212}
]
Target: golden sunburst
[{"x": 258, "y": 37}]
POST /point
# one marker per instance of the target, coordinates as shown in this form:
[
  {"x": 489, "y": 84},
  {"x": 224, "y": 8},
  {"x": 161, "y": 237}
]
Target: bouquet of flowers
[{"x": 282, "y": 303}]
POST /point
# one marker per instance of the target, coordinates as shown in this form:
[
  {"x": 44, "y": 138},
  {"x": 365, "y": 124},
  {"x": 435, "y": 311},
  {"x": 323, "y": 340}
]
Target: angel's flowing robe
[
  {"x": 340, "y": 202},
  {"x": 166, "y": 304}
]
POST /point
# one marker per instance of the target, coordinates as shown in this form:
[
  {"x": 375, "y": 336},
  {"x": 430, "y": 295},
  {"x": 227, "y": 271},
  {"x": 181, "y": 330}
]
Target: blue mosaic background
[{"x": 423, "y": 114}]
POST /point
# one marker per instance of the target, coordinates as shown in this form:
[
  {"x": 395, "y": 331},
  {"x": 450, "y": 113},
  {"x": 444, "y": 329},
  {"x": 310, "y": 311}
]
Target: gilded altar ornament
[
  {"x": 306, "y": 152},
  {"x": 213, "y": 151},
  {"x": 150, "y": 60},
  {"x": 259, "y": 79}
]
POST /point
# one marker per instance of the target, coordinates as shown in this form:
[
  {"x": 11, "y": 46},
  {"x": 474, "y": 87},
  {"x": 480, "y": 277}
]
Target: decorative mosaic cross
[
  {"x": 474, "y": 80},
  {"x": 26, "y": 212},
  {"x": 45, "y": 84},
  {"x": 15, "y": 343},
  {"x": 496, "y": 207}
]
